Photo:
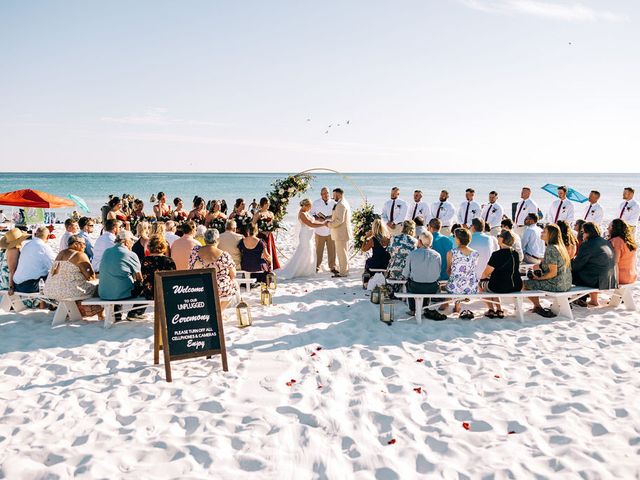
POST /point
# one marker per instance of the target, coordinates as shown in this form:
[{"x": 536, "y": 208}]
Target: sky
[{"x": 425, "y": 86}]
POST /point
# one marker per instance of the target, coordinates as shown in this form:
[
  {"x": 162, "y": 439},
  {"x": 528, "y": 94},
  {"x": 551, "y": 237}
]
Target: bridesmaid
[
  {"x": 179, "y": 214},
  {"x": 263, "y": 218},
  {"x": 240, "y": 215},
  {"x": 199, "y": 213},
  {"x": 162, "y": 210},
  {"x": 215, "y": 217}
]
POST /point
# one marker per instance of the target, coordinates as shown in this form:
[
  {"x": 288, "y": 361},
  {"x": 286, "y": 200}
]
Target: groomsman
[
  {"x": 561, "y": 209},
  {"x": 418, "y": 208},
  {"x": 394, "y": 212},
  {"x": 469, "y": 209},
  {"x": 321, "y": 210},
  {"x": 444, "y": 211},
  {"x": 525, "y": 206},
  {"x": 629, "y": 210},
  {"x": 594, "y": 212},
  {"x": 492, "y": 213}
]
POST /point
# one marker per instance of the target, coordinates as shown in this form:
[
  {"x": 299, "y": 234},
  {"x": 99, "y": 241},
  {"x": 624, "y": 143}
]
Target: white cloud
[
  {"x": 573, "y": 11},
  {"x": 158, "y": 116}
]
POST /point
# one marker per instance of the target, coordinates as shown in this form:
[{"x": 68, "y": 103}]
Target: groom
[{"x": 341, "y": 230}]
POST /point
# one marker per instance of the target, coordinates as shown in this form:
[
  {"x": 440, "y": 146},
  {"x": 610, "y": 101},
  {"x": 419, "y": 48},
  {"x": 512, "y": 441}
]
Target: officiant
[{"x": 321, "y": 210}]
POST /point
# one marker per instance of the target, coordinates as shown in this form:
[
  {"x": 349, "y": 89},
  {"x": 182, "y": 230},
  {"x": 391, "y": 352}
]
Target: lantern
[
  {"x": 379, "y": 293},
  {"x": 243, "y": 314},
  {"x": 386, "y": 311},
  {"x": 266, "y": 298},
  {"x": 271, "y": 281}
]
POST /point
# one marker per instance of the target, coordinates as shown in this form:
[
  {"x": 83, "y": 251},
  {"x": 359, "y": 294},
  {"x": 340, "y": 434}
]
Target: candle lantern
[
  {"x": 243, "y": 314},
  {"x": 386, "y": 311},
  {"x": 271, "y": 281},
  {"x": 266, "y": 298},
  {"x": 379, "y": 293}
]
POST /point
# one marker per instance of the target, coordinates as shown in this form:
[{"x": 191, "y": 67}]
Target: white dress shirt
[
  {"x": 104, "y": 241},
  {"x": 326, "y": 209},
  {"x": 524, "y": 208},
  {"x": 593, "y": 213},
  {"x": 399, "y": 212},
  {"x": 532, "y": 244},
  {"x": 419, "y": 209},
  {"x": 64, "y": 240},
  {"x": 492, "y": 214},
  {"x": 517, "y": 245},
  {"x": 565, "y": 212},
  {"x": 473, "y": 211},
  {"x": 170, "y": 237},
  {"x": 445, "y": 211},
  {"x": 36, "y": 258},
  {"x": 629, "y": 211}
]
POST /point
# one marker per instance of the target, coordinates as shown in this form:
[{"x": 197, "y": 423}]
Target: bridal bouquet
[{"x": 362, "y": 219}]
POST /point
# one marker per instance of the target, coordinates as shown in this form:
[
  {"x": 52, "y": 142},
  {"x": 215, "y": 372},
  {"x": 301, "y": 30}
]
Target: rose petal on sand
[
  {"x": 313, "y": 354},
  {"x": 318, "y": 349},
  {"x": 391, "y": 442},
  {"x": 496, "y": 376},
  {"x": 466, "y": 425},
  {"x": 420, "y": 360},
  {"x": 511, "y": 432},
  {"x": 418, "y": 389}
]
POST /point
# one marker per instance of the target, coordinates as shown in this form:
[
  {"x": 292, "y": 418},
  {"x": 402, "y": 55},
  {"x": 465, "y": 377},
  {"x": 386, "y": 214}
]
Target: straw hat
[{"x": 13, "y": 238}]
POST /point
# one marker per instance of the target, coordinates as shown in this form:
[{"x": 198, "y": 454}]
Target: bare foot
[
  {"x": 594, "y": 304},
  {"x": 456, "y": 308}
]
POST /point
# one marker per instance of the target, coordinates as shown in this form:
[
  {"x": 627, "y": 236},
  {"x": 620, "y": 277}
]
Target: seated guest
[
  {"x": 554, "y": 272},
  {"x": 502, "y": 272},
  {"x": 36, "y": 258},
  {"x": 483, "y": 243},
  {"x": 140, "y": 248},
  {"x": 625, "y": 248},
  {"x": 115, "y": 212},
  {"x": 120, "y": 272},
  {"x": 419, "y": 226},
  {"x": 254, "y": 256},
  {"x": 181, "y": 249},
  {"x": 86, "y": 225},
  {"x": 442, "y": 244},
  {"x": 10, "y": 245},
  {"x": 577, "y": 228},
  {"x": 399, "y": 249},
  {"x": 104, "y": 241},
  {"x": 210, "y": 256},
  {"x": 595, "y": 263},
  {"x": 422, "y": 271},
  {"x": 568, "y": 238},
  {"x": 533, "y": 246},
  {"x": 137, "y": 214},
  {"x": 199, "y": 236},
  {"x": 179, "y": 213},
  {"x": 156, "y": 261},
  {"x": 70, "y": 228},
  {"x": 454, "y": 227},
  {"x": 229, "y": 241},
  {"x": 462, "y": 265},
  {"x": 377, "y": 240},
  {"x": 507, "y": 224},
  {"x": 162, "y": 210},
  {"x": 170, "y": 232},
  {"x": 70, "y": 275}
]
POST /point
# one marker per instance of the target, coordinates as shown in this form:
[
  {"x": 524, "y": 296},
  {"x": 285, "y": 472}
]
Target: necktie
[
  {"x": 558, "y": 212},
  {"x": 623, "y": 209},
  {"x": 393, "y": 208},
  {"x": 415, "y": 209},
  {"x": 438, "y": 212},
  {"x": 466, "y": 213},
  {"x": 519, "y": 210},
  {"x": 588, "y": 212},
  {"x": 486, "y": 217}
]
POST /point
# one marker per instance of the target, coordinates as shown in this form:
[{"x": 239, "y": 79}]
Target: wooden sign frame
[{"x": 160, "y": 335}]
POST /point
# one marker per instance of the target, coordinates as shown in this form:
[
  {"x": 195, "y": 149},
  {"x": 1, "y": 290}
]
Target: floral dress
[
  {"x": 223, "y": 265},
  {"x": 151, "y": 265},
  {"x": 401, "y": 246},
  {"x": 4, "y": 271},
  {"x": 463, "y": 279}
]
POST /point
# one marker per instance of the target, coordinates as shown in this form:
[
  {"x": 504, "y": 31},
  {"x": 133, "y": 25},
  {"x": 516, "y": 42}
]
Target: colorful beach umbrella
[
  {"x": 28, "y": 198},
  {"x": 79, "y": 202},
  {"x": 572, "y": 194}
]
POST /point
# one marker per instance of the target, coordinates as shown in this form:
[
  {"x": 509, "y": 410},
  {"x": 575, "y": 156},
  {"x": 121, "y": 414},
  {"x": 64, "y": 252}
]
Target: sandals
[
  {"x": 434, "y": 315},
  {"x": 544, "y": 312},
  {"x": 466, "y": 315},
  {"x": 490, "y": 313},
  {"x": 499, "y": 314}
]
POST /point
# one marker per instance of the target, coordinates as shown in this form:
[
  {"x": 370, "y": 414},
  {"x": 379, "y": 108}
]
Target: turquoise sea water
[{"x": 95, "y": 187}]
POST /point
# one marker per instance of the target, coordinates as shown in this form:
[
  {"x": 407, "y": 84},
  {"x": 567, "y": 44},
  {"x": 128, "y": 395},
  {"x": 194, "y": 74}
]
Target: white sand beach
[{"x": 319, "y": 388}]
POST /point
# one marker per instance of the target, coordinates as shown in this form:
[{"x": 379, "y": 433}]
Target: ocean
[{"x": 94, "y": 188}]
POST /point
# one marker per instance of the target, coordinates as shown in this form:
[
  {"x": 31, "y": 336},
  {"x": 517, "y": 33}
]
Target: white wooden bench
[
  {"x": 561, "y": 301},
  {"x": 624, "y": 294},
  {"x": 109, "y": 307},
  {"x": 9, "y": 302}
]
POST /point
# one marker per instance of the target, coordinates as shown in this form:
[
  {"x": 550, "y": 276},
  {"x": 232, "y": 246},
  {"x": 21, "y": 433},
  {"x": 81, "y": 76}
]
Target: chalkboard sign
[{"x": 188, "y": 320}]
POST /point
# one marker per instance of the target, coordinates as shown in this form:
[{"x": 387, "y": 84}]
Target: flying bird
[{"x": 347, "y": 122}]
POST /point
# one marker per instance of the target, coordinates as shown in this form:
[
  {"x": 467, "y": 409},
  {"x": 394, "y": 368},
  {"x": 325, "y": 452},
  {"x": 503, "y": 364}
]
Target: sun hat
[{"x": 13, "y": 238}]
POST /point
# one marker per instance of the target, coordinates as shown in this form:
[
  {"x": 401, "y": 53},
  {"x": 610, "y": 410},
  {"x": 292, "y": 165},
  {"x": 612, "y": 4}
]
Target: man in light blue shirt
[
  {"x": 533, "y": 246},
  {"x": 441, "y": 244},
  {"x": 119, "y": 269},
  {"x": 422, "y": 270},
  {"x": 36, "y": 258},
  {"x": 86, "y": 225},
  {"x": 482, "y": 243}
]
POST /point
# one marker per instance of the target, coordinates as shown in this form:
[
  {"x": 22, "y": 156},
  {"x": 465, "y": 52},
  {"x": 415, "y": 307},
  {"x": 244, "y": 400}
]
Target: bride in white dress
[{"x": 303, "y": 261}]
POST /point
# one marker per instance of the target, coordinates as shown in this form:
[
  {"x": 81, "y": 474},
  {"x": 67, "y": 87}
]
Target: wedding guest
[
  {"x": 502, "y": 273},
  {"x": 422, "y": 270},
  {"x": 70, "y": 277},
  {"x": 568, "y": 238},
  {"x": 115, "y": 212},
  {"x": 554, "y": 273},
  {"x": 223, "y": 206},
  {"x": 229, "y": 241},
  {"x": 210, "y": 256},
  {"x": 442, "y": 244},
  {"x": 162, "y": 210},
  {"x": 170, "y": 232},
  {"x": 578, "y": 229},
  {"x": 156, "y": 261},
  {"x": 181, "y": 249},
  {"x": 418, "y": 208},
  {"x": 629, "y": 209},
  {"x": 507, "y": 224},
  {"x": 492, "y": 213},
  {"x": 561, "y": 209},
  {"x": 593, "y": 212},
  {"x": 253, "y": 207},
  {"x": 420, "y": 228},
  {"x": 454, "y": 227},
  {"x": 444, "y": 211},
  {"x": 321, "y": 210},
  {"x": 254, "y": 257},
  {"x": 104, "y": 241},
  {"x": 179, "y": 213},
  {"x": 595, "y": 264},
  {"x": 240, "y": 215},
  {"x": 626, "y": 249},
  {"x": 10, "y": 245},
  {"x": 199, "y": 235},
  {"x": 263, "y": 218},
  {"x": 469, "y": 209},
  {"x": 86, "y": 225},
  {"x": 483, "y": 243},
  {"x": 215, "y": 218},
  {"x": 462, "y": 265},
  {"x": 377, "y": 240},
  {"x": 141, "y": 246},
  {"x": 70, "y": 228},
  {"x": 394, "y": 212},
  {"x": 138, "y": 214},
  {"x": 157, "y": 228},
  {"x": 36, "y": 258},
  {"x": 525, "y": 206},
  {"x": 399, "y": 249},
  {"x": 533, "y": 246},
  {"x": 198, "y": 214}
]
